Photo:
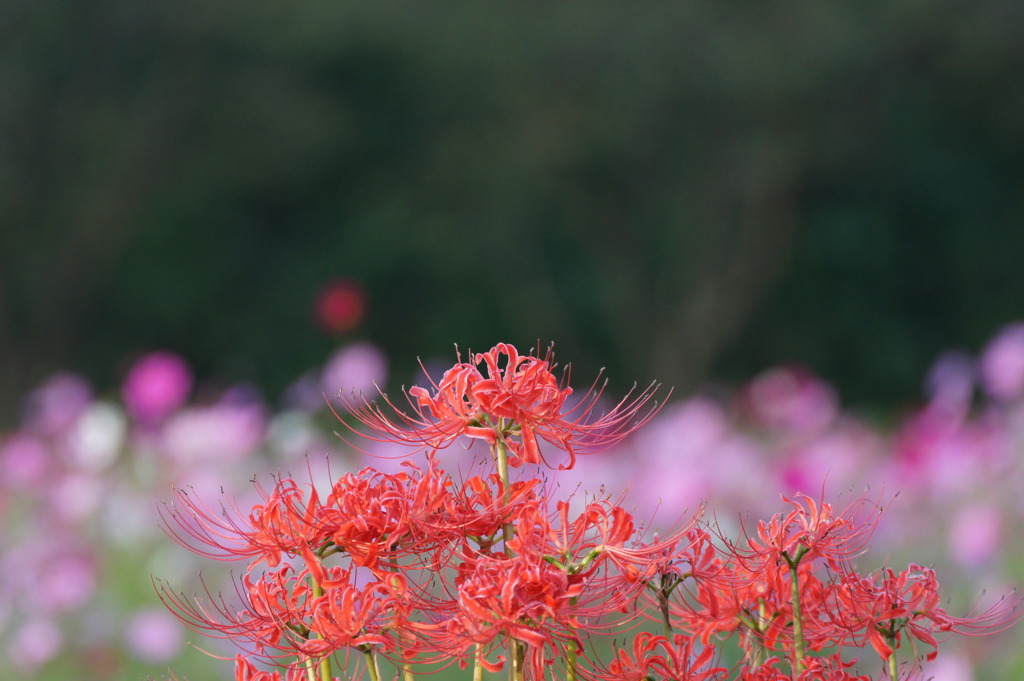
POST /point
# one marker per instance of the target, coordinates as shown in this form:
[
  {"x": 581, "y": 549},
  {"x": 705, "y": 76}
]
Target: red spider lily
[
  {"x": 574, "y": 544},
  {"x": 247, "y": 671},
  {"x": 829, "y": 668},
  {"x": 674, "y": 660},
  {"x": 590, "y": 546},
  {"x": 730, "y": 594},
  {"x": 768, "y": 671},
  {"x": 562, "y": 580},
  {"x": 431, "y": 499},
  {"x": 878, "y": 610},
  {"x": 475, "y": 510},
  {"x": 810, "y": 531},
  {"x": 719, "y": 606},
  {"x": 378, "y": 519},
  {"x": 500, "y": 598},
  {"x": 515, "y": 596},
  {"x": 524, "y": 394},
  {"x": 603, "y": 545},
  {"x": 518, "y": 402},
  {"x": 825, "y": 668},
  {"x": 761, "y": 589},
  {"x": 422, "y": 568},
  {"x": 267, "y": 615},
  {"x": 281, "y": 614},
  {"x": 281, "y": 525},
  {"x": 702, "y": 557},
  {"x": 368, "y": 515},
  {"x": 347, "y": 616},
  {"x": 643, "y": 561}
]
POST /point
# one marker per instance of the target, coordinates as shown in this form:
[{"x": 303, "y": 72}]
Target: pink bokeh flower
[
  {"x": 1002, "y": 364},
  {"x": 975, "y": 534},
  {"x": 53, "y": 407},
  {"x": 791, "y": 399},
  {"x": 154, "y": 635},
  {"x": 35, "y": 643},
  {"x": 355, "y": 368},
  {"x": 66, "y": 582},
  {"x": 156, "y": 386},
  {"x": 220, "y": 433},
  {"x": 25, "y": 461}
]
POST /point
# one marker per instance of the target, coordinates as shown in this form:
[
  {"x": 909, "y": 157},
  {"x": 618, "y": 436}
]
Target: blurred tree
[{"x": 640, "y": 184}]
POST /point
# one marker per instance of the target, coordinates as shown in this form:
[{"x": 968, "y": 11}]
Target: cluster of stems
[{"x": 397, "y": 575}]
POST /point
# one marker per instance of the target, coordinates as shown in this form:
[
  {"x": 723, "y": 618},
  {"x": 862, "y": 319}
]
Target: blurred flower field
[{"x": 84, "y": 477}]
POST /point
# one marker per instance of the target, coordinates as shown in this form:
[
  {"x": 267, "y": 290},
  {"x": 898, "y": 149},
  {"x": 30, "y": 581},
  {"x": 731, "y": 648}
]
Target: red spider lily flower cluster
[
  {"x": 795, "y": 603},
  {"x": 420, "y": 570}
]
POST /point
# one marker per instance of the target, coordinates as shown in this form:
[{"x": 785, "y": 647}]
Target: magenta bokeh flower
[
  {"x": 1002, "y": 364},
  {"x": 950, "y": 383},
  {"x": 55, "y": 405},
  {"x": 975, "y": 535},
  {"x": 221, "y": 433},
  {"x": 67, "y": 582},
  {"x": 35, "y": 643},
  {"x": 949, "y": 667},
  {"x": 154, "y": 635},
  {"x": 358, "y": 367},
  {"x": 792, "y": 399},
  {"x": 25, "y": 461},
  {"x": 156, "y": 386}
]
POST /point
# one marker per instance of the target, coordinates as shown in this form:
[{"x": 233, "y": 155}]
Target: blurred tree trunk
[{"x": 749, "y": 232}]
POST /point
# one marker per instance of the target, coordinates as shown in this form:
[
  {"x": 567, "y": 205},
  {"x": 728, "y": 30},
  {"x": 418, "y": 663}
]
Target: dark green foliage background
[{"x": 671, "y": 190}]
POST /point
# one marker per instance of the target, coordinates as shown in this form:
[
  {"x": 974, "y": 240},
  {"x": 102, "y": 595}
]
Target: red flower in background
[{"x": 340, "y": 306}]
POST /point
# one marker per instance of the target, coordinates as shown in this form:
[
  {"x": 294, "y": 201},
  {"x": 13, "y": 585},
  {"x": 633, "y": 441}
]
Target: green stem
[
  {"x": 325, "y": 663},
  {"x": 507, "y": 533},
  {"x": 518, "y": 652},
  {"x": 757, "y": 634},
  {"x": 571, "y": 653},
  {"x": 478, "y": 668},
  {"x": 501, "y": 460},
  {"x": 798, "y": 627},
  {"x": 664, "y": 593},
  {"x": 371, "y": 664},
  {"x": 893, "y": 672},
  {"x": 798, "y": 624}
]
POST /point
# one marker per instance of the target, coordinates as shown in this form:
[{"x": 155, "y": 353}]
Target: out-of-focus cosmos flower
[
  {"x": 1002, "y": 364},
  {"x": 359, "y": 367},
  {"x": 156, "y": 386}
]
